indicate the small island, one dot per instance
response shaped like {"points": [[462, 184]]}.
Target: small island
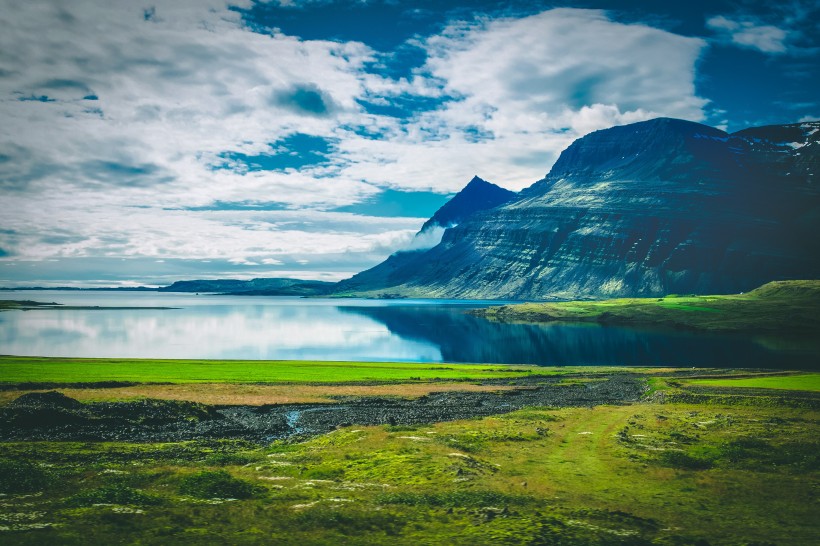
{"points": [[28, 305]]}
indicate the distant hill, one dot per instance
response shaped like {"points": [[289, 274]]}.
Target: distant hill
{"points": [[647, 209], [255, 287]]}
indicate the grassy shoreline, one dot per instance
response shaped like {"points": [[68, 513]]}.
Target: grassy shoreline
{"points": [[21, 369], [782, 307], [794, 382]]}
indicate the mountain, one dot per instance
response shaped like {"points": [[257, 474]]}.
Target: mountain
{"points": [[477, 195], [255, 287], [652, 208], [400, 267]]}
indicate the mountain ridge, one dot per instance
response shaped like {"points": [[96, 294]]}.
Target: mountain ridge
{"points": [[651, 208]]}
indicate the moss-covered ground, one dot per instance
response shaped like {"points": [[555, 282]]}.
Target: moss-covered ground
{"points": [[783, 307], [664, 471]]}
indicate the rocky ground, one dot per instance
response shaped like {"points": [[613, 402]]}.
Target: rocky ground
{"points": [[51, 415]]}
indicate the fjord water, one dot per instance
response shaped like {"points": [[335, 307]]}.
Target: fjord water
{"points": [[241, 327]]}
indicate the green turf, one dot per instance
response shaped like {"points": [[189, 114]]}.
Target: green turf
{"points": [[14, 369], [801, 382], [783, 307]]}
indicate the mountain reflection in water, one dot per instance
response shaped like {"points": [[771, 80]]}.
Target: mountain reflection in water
{"points": [[464, 338], [271, 328]]}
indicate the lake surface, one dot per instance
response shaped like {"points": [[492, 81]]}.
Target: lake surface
{"points": [[243, 327]]}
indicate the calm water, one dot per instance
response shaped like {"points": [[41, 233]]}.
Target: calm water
{"points": [[235, 327]]}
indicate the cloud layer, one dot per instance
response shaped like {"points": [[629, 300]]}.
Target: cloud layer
{"points": [[125, 127], [750, 34]]}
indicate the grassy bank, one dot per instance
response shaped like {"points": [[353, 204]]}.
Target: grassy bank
{"points": [[784, 307], [15, 369], [799, 382]]}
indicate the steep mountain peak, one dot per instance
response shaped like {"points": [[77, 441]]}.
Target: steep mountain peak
{"points": [[477, 195], [477, 181]]}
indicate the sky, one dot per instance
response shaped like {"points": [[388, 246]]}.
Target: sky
{"points": [[147, 142]]}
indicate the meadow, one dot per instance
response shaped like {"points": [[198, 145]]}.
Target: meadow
{"points": [[691, 463]]}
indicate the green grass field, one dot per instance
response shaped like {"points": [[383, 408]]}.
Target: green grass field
{"points": [[14, 369], [799, 382], [784, 307], [726, 470], [638, 475]]}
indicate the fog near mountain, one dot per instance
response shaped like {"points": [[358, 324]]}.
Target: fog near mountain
{"points": [[426, 238]]}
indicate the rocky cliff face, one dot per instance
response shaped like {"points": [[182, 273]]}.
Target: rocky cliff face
{"points": [[658, 207]]}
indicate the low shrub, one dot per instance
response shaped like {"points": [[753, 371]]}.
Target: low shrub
{"points": [[227, 459], [216, 484], [352, 522], [680, 459], [324, 472], [22, 477], [114, 494]]}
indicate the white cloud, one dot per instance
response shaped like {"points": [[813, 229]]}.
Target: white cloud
{"points": [[565, 58], [173, 93], [426, 239], [533, 84], [179, 86], [750, 34]]}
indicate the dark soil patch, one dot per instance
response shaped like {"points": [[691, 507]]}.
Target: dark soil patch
{"points": [[53, 416]]}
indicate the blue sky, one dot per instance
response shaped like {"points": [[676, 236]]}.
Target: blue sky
{"points": [[146, 142]]}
